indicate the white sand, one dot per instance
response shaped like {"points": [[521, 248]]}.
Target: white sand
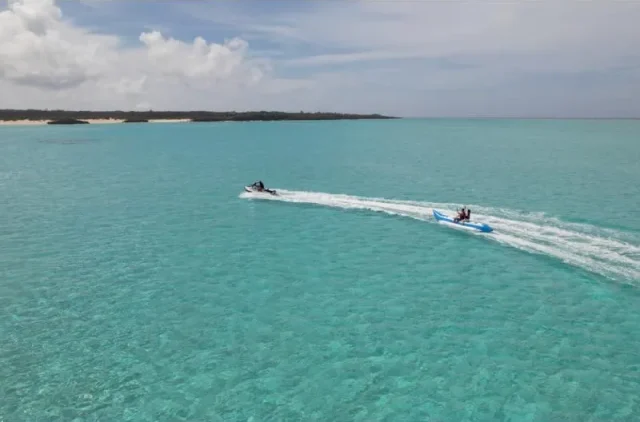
{"points": [[102, 121], [22, 122], [169, 120], [90, 121]]}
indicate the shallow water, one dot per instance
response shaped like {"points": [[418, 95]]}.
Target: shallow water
{"points": [[140, 283]]}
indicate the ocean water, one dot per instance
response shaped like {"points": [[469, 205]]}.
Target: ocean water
{"points": [[139, 283]]}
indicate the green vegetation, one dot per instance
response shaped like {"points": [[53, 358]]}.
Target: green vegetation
{"points": [[65, 116], [67, 122]]}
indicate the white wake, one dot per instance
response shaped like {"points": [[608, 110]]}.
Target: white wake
{"points": [[603, 251]]}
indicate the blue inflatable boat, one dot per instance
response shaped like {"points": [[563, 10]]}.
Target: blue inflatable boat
{"points": [[466, 224]]}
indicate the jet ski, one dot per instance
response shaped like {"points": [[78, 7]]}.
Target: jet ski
{"points": [[258, 187], [442, 218]]}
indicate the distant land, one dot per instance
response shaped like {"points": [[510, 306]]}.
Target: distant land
{"points": [[79, 117]]}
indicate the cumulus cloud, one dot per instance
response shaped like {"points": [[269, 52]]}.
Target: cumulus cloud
{"points": [[40, 49], [198, 60]]}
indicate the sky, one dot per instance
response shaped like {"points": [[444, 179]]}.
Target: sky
{"points": [[408, 58]]}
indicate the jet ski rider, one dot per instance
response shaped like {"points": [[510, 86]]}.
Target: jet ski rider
{"points": [[259, 185]]}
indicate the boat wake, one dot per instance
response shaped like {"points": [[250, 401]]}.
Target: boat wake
{"points": [[607, 252]]}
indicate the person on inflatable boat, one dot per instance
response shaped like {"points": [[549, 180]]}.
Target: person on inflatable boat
{"points": [[462, 216]]}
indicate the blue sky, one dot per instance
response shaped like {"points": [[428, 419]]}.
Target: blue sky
{"points": [[408, 58]]}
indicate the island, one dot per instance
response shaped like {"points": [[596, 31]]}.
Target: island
{"points": [[33, 116]]}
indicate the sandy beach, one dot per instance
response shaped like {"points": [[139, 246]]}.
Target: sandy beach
{"points": [[22, 122], [102, 121], [90, 121], [169, 120]]}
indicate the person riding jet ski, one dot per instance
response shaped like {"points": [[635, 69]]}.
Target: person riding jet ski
{"points": [[259, 186]]}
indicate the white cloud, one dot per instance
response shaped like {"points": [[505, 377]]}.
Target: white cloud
{"points": [[506, 37], [435, 29], [40, 50]]}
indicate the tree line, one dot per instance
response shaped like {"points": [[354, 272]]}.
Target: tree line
{"points": [[196, 116]]}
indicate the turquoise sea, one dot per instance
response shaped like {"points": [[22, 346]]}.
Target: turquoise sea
{"points": [[139, 283]]}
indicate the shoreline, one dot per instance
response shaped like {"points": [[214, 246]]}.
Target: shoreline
{"points": [[31, 117], [36, 122], [26, 122]]}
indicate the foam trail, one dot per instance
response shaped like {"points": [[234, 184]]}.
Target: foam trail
{"points": [[607, 252]]}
